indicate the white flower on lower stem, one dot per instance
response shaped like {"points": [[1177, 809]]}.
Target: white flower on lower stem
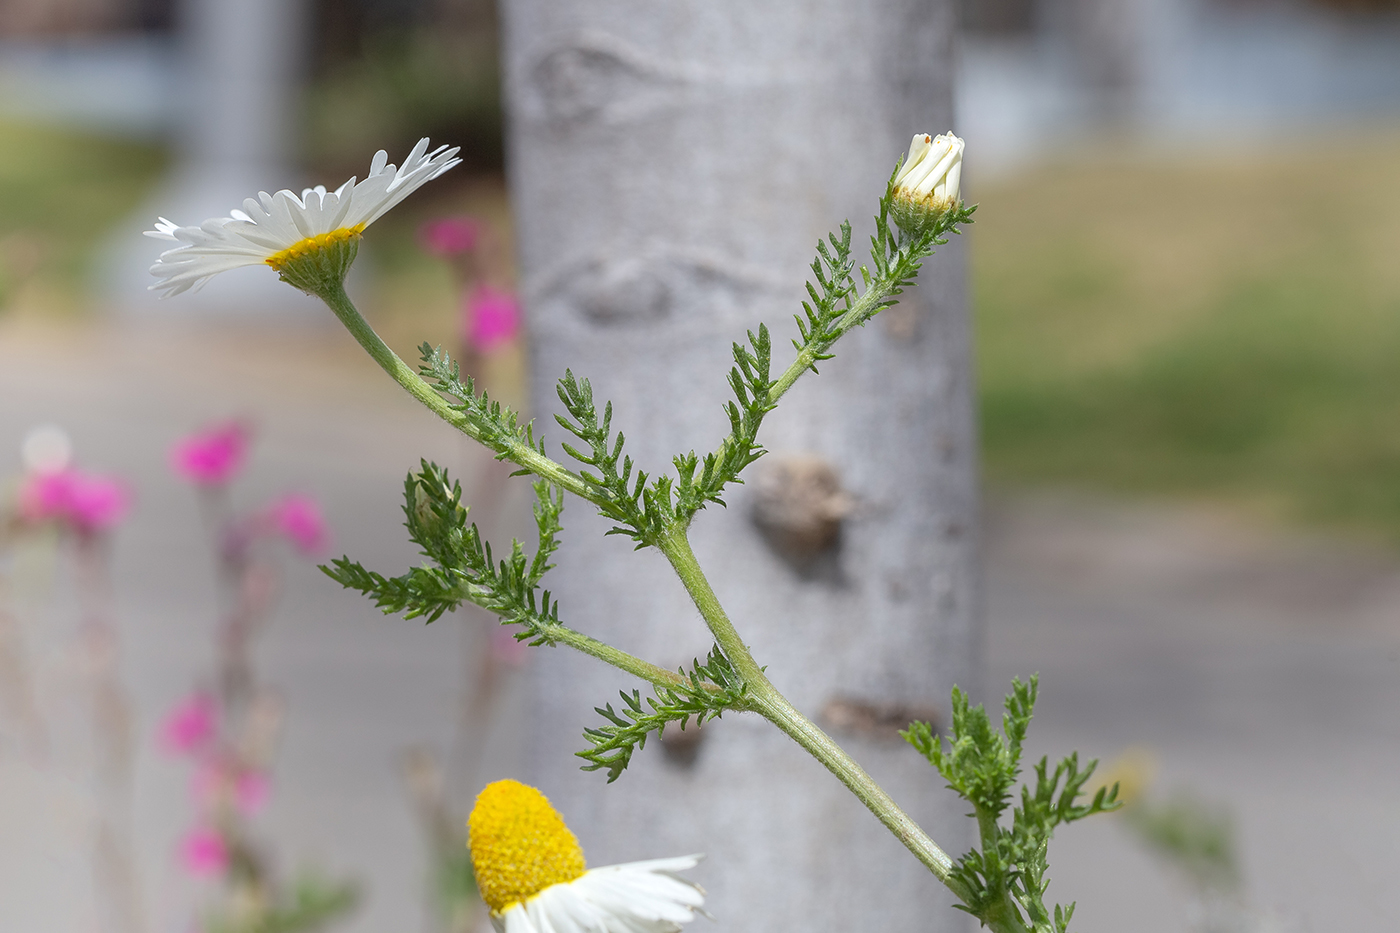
{"points": [[531, 873], [274, 229]]}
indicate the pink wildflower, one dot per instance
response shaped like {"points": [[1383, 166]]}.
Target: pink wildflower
{"points": [[216, 781], [449, 236], [97, 502], [490, 318], [203, 853], [213, 456], [88, 502], [44, 496], [506, 648], [299, 519], [251, 791], [191, 725]]}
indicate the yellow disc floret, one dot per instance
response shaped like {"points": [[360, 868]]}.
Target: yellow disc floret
{"points": [[312, 244], [520, 845]]}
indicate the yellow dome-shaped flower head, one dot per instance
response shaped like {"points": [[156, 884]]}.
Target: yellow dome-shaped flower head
{"points": [[520, 845], [531, 873]]}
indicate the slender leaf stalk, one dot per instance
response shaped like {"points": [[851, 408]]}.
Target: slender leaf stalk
{"points": [[518, 453]]}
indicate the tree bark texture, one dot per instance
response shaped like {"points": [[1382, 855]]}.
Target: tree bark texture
{"points": [[672, 166]]}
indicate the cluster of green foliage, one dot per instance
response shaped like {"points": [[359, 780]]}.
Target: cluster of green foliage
{"points": [[1194, 836], [1003, 882], [707, 691], [463, 568], [643, 507], [63, 191], [494, 425], [646, 511]]}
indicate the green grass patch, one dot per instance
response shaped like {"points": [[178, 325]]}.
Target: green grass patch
{"points": [[1228, 330], [62, 192]]}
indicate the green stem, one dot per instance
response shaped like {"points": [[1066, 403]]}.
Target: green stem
{"points": [[645, 670], [400, 372], [877, 292], [521, 454], [773, 706]]}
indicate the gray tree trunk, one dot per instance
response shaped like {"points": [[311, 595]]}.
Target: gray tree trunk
{"points": [[672, 167]]}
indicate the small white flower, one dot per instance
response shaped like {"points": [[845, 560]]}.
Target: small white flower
{"points": [[274, 229], [530, 871], [932, 170]]}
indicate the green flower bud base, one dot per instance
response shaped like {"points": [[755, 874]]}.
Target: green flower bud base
{"points": [[318, 265]]}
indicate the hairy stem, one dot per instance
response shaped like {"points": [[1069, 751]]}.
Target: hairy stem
{"points": [[773, 706], [637, 667], [518, 453], [877, 292]]}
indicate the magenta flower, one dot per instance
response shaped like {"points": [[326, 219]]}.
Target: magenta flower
{"points": [[191, 725], [87, 502], [251, 791], [490, 318], [97, 502], [218, 781], [44, 496], [299, 519], [203, 853], [506, 648], [449, 236], [213, 456]]}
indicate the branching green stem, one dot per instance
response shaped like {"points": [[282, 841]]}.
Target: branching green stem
{"points": [[877, 295], [859, 313], [637, 667], [768, 702], [518, 453], [732, 674]]}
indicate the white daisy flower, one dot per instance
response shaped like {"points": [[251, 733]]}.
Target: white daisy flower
{"points": [[933, 169], [276, 229], [530, 871], [926, 185]]}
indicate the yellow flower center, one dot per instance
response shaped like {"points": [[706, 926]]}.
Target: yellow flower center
{"points": [[312, 244], [520, 845]]}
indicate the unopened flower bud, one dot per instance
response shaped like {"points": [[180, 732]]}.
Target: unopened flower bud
{"points": [[926, 185]]}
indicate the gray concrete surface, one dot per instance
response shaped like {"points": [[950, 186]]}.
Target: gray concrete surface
{"points": [[1263, 670]]}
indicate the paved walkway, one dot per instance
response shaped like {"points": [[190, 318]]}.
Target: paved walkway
{"points": [[1264, 674]]}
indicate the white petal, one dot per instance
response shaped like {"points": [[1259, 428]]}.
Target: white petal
{"points": [[938, 172], [270, 223], [918, 148], [637, 897], [928, 165], [954, 179]]}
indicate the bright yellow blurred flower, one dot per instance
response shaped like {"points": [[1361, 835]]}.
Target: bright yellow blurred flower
{"points": [[1133, 771]]}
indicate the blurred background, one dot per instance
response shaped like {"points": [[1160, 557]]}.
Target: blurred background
{"points": [[1187, 307]]}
